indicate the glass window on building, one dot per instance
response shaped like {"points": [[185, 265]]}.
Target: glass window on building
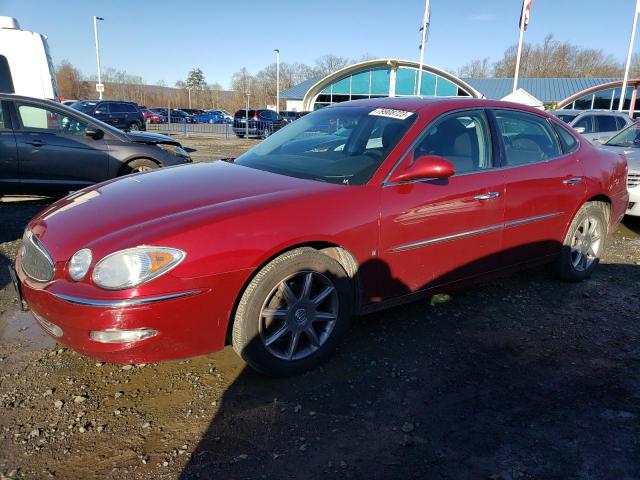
{"points": [[603, 99], [380, 79]]}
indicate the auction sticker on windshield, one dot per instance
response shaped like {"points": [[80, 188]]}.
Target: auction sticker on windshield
{"points": [[391, 113]]}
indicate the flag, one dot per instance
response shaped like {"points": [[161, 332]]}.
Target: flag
{"points": [[426, 19], [526, 10], [637, 7]]}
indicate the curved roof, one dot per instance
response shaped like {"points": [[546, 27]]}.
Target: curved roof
{"points": [[320, 84], [595, 88]]}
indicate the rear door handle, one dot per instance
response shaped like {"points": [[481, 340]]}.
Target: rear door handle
{"points": [[572, 180], [487, 196]]}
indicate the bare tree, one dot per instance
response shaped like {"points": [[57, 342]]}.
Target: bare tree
{"points": [[70, 82], [327, 64], [479, 68]]}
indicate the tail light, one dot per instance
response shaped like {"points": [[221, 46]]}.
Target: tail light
{"points": [[255, 117]]}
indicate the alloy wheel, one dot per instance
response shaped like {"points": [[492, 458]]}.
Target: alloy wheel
{"points": [[298, 315], [586, 243]]}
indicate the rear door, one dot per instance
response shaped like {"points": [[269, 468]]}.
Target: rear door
{"points": [[544, 186], [54, 154], [118, 114], [9, 172]]}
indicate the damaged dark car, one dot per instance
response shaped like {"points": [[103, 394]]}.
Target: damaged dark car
{"points": [[49, 149]]}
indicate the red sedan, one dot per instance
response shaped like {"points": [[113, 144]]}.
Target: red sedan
{"points": [[353, 208], [150, 117]]}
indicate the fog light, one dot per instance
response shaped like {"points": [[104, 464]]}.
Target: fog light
{"points": [[122, 336], [53, 329]]}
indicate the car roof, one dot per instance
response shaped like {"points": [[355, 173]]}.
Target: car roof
{"points": [[421, 104]]}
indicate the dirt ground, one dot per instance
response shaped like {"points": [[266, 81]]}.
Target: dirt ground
{"points": [[521, 378]]}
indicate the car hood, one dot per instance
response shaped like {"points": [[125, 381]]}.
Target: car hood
{"points": [[146, 207], [631, 154], [152, 138]]}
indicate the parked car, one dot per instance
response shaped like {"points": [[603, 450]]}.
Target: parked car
{"points": [[47, 148], [212, 116], [598, 126], [262, 123], [150, 117], [290, 116], [565, 114], [627, 143], [280, 249], [123, 115], [177, 116], [191, 111]]}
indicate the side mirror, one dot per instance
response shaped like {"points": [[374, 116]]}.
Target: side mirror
{"points": [[94, 133], [425, 167], [580, 130]]}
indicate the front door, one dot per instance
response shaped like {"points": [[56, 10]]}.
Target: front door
{"points": [[437, 231], [54, 154]]}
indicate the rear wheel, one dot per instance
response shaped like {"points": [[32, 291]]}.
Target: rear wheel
{"points": [[293, 314], [139, 165], [584, 243], [239, 135], [133, 127]]}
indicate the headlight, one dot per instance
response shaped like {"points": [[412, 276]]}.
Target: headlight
{"points": [[173, 149], [79, 264], [134, 266]]}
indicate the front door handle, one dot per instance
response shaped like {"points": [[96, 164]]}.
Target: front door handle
{"points": [[572, 180], [487, 196]]}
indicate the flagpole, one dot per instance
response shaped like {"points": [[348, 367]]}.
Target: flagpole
{"points": [[424, 39], [517, 73], [626, 69]]}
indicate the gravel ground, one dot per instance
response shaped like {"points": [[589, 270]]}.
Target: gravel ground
{"points": [[520, 378]]}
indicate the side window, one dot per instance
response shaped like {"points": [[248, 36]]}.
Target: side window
{"points": [[620, 123], [586, 123], [606, 123], [462, 138], [130, 108], [3, 125], [527, 138], [569, 142], [102, 108], [6, 81], [45, 120], [118, 107]]}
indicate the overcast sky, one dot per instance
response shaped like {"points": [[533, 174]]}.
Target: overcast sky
{"points": [[163, 40]]}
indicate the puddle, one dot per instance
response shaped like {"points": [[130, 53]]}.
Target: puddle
{"points": [[22, 329]]}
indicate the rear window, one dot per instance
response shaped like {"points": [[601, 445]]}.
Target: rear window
{"points": [[243, 113], [6, 81]]}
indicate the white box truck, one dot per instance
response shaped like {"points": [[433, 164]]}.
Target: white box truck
{"points": [[26, 67]]}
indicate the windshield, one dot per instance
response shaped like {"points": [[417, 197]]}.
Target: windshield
{"points": [[344, 145], [84, 107], [629, 137]]}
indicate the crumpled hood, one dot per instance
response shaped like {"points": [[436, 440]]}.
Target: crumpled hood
{"points": [[144, 206], [148, 137], [631, 154]]}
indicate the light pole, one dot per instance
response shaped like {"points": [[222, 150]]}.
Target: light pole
{"points": [[99, 86], [189, 90], [277, 50]]}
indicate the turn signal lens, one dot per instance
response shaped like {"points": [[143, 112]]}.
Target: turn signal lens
{"points": [[135, 266], [79, 264]]}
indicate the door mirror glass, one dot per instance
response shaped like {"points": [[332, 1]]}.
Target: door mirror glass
{"points": [[94, 133], [425, 167]]}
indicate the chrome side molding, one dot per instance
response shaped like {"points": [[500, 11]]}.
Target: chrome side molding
{"points": [[131, 302]]}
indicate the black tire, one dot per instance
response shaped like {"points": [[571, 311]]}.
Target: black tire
{"points": [[249, 326], [564, 266], [239, 135], [138, 165], [265, 132], [133, 127]]}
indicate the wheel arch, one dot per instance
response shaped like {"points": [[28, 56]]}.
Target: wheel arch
{"points": [[133, 159], [338, 253]]}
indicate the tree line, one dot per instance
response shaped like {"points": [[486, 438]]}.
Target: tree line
{"points": [[551, 58]]}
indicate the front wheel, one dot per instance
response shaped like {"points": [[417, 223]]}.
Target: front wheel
{"points": [[139, 165], [584, 243], [293, 314]]}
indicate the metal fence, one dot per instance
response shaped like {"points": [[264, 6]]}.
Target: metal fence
{"points": [[254, 128]]}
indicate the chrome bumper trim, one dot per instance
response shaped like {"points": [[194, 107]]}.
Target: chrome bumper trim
{"points": [[131, 302]]}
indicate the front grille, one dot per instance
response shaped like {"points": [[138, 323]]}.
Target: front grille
{"points": [[36, 261], [633, 180]]}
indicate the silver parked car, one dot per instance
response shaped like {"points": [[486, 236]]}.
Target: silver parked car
{"points": [[627, 142], [598, 126]]}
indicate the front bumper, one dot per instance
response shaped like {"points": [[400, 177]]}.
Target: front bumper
{"points": [[634, 202], [188, 323]]}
